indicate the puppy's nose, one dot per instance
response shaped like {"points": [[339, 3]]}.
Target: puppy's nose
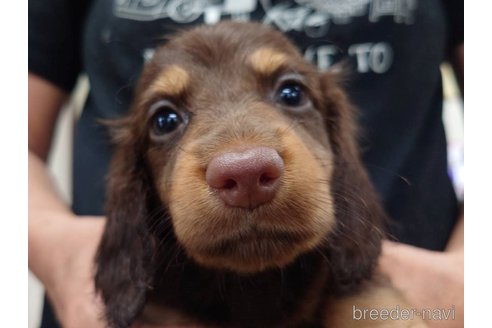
{"points": [[246, 178]]}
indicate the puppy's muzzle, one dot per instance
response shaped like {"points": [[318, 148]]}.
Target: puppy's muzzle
{"points": [[246, 178]]}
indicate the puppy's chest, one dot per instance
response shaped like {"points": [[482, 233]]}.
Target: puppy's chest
{"points": [[281, 298]]}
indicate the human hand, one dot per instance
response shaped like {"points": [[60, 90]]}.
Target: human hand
{"points": [[70, 286], [428, 279]]}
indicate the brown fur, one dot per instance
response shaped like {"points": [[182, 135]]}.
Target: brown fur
{"points": [[171, 249]]}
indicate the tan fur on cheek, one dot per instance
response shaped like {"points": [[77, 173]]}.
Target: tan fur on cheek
{"points": [[265, 61], [307, 177], [172, 81]]}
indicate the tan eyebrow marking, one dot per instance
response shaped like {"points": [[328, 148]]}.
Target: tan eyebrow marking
{"points": [[266, 61], [172, 81]]}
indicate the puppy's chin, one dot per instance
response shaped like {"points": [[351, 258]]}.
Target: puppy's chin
{"points": [[250, 241], [253, 251]]}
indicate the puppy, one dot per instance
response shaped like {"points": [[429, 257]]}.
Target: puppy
{"points": [[236, 194]]}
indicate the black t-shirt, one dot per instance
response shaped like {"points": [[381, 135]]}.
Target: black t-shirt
{"points": [[394, 49]]}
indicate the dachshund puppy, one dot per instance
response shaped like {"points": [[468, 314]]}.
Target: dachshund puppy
{"points": [[236, 194]]}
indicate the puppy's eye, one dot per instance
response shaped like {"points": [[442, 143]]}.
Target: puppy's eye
{"points": [[165, 120], [291, 94]]}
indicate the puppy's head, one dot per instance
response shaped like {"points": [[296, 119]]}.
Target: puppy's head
{"points": [[247, 152]]}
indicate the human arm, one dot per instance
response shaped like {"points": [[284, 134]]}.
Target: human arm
{"points": [[61, 248], [429, 279]]}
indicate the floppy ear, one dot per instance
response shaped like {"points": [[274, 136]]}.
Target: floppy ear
{"points": [[123, 260], [355, 243]]}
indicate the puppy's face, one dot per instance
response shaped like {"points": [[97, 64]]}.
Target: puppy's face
{"points": [[233, 135]]}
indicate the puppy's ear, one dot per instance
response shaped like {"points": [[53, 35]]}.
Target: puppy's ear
{"points": [[123, 259], [355, 242]]}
